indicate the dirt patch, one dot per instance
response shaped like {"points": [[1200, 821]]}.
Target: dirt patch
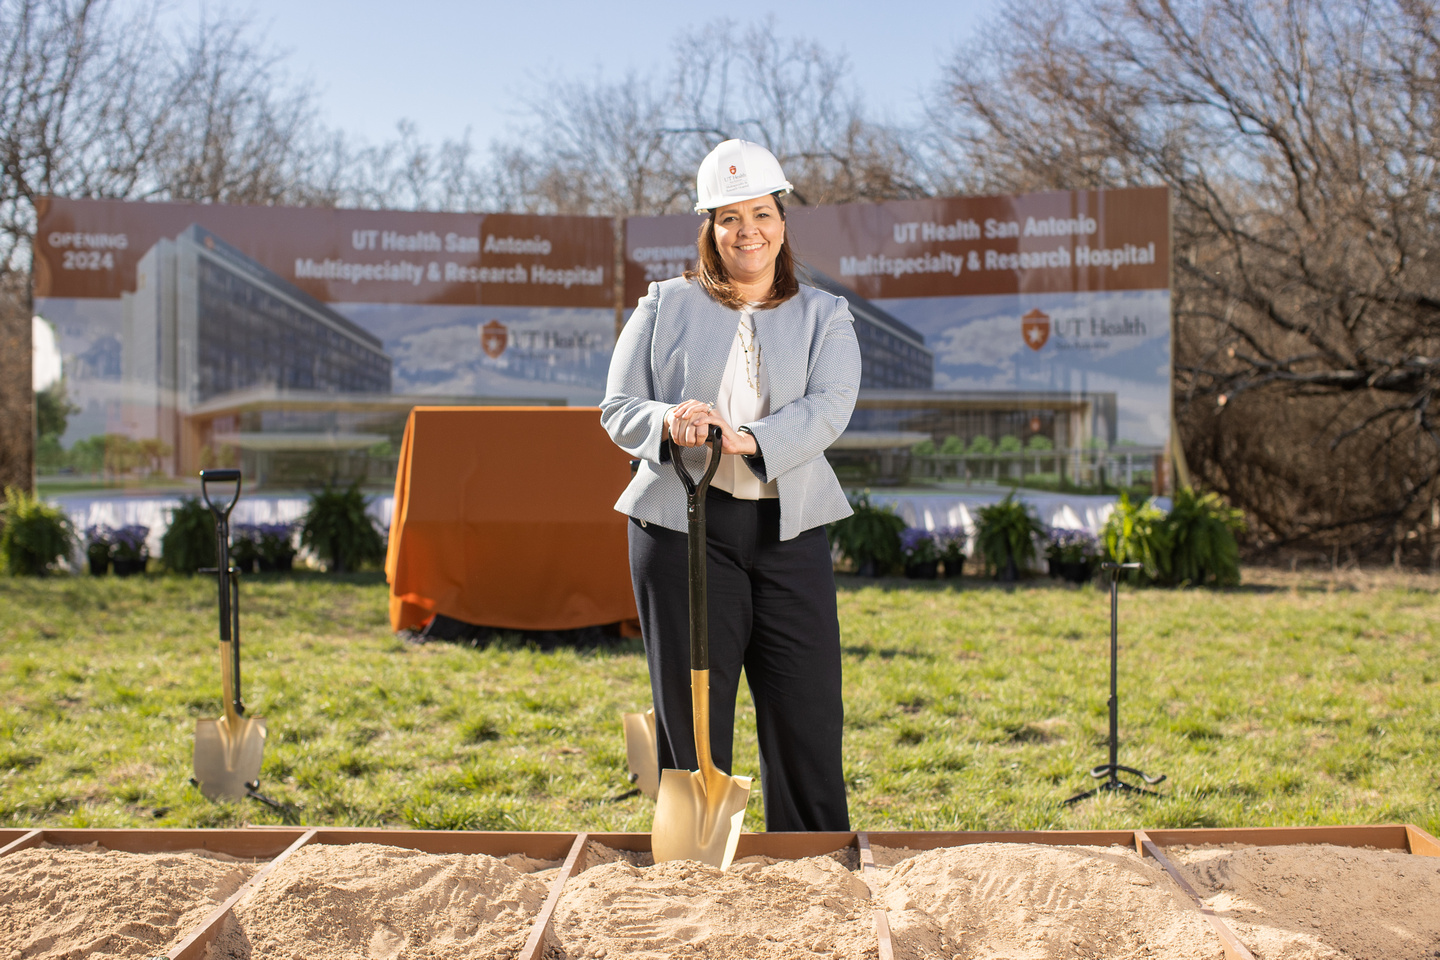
{"points": [[60, 902], [886, 857], [1034, 902], [366, 900], [1316, 901], [759, 908], [1347, 579], [597, 854]]}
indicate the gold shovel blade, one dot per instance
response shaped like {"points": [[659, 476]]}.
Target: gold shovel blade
{"points": [[228, 753], [640, 752], [699, 820]]}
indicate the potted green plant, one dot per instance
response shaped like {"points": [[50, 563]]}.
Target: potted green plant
{"points": [[130, 553], [1005, 532], [245, 546], [919, 553], [950, 541], [338, 529], [1201, 530], [1072, 554], [35, 535], [277, 547], [98, 548], [1136, 532], [869, 537], [188, 543]]}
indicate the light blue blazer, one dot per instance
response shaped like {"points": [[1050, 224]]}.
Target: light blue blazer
{"points": [[674, 348]]}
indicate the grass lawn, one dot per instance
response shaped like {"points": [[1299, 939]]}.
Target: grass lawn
{"points": [[1295, 700]]}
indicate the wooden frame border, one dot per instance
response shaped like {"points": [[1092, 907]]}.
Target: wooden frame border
{"points": [[193, 945], [1229, 941], [882, 917], [543, 931], [275, 844], [1150, 843], [26, 838]]}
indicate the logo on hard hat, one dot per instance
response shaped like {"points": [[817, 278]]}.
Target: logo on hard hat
{"points": [[494, 338], [1035, 328]]}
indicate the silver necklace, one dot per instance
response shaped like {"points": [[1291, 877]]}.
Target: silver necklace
{"points": [[752, 350]]}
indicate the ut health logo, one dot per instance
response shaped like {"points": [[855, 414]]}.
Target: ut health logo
{"points": [[1035, 328], [494, 338]]}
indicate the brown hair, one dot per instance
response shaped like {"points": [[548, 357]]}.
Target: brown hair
{"points": [[709, 269]]}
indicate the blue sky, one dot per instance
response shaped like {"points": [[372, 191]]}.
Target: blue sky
{"points": [[450, 66]]}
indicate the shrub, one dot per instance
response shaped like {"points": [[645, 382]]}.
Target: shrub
{"points": [[1201, 532], [99, 547], [189, 542], [1040, 443], [982, 445], [950, 541], [925, 448], [35, 535], [128, 544], [244, 546], [338, 529], [1135, 532], [1064, 545], [953, 446], [1009, 444], [917, 545], [277, 546], [871, 535], [1005, 533]]}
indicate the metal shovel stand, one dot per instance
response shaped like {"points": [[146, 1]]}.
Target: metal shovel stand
{"points": [[1113, 769]]}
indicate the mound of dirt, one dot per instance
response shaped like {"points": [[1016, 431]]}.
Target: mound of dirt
{"points": [[759, 908], [61, 902], [886, 857], [343, 901], [1316, 901], [1034, 902]]}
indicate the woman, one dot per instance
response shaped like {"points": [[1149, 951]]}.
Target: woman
{"points": [[738, 343]]}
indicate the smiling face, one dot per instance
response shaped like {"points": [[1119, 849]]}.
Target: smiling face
{"points": [[748, 236]]}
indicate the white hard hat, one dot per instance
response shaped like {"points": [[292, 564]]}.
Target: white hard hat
{"points": [[738, 170]]}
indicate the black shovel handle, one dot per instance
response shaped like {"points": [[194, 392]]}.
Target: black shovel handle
{"points": [[227, 475], [229, 580], [695, 513]]}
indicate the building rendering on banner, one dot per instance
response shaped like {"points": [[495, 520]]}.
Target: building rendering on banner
{"points": [[892, 355], [898, 406], [206, 321]]}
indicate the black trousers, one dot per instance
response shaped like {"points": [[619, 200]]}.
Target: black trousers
{"points": [[771, 612]]}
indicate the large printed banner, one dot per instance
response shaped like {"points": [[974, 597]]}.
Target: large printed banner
{"points": [[277, 332], [178, 318], [1051, 295]]}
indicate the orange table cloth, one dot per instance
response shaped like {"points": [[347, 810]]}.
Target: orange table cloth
{"points": [[505, 517]]}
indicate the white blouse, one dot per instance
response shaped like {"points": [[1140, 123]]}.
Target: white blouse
{"points": [[744, 398]]}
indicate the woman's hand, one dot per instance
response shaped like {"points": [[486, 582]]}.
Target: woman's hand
{"points": [[688, 424]]}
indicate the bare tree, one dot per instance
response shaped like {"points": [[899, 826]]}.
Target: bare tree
{"points": [[792, 96], [97, 101], [73, 111], [593, 147], [1299, 142], [236, 130], [405, 172], [632, 146]]}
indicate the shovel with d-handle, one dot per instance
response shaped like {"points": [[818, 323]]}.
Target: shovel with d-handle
{"points": [[698, 814], [640, 753], [228, 751]]}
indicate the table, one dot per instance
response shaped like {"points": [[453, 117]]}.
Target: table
{"points": [[504, 517]]}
